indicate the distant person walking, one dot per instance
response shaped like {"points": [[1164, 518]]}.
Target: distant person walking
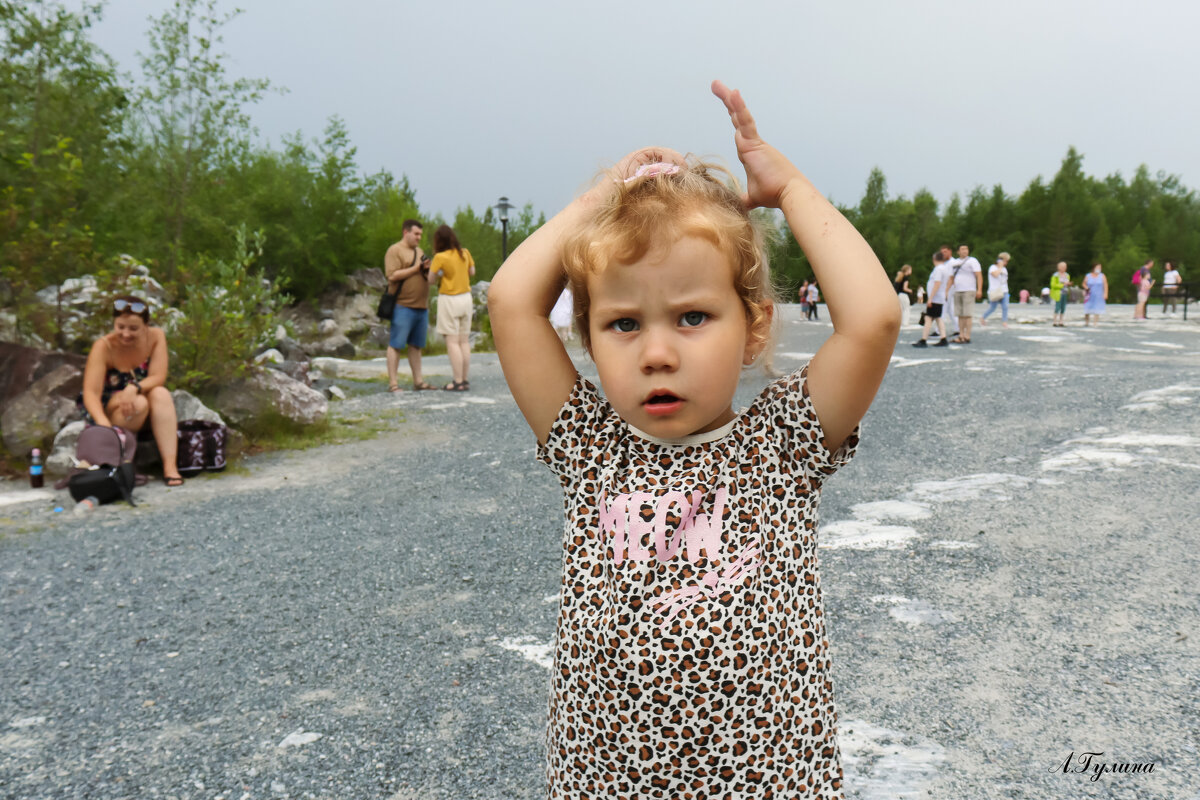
{"points": [[1096, 284], [454, 265], [903, 292], [407, 267], [1143, 295], [998, 290], [814, 295], [966, 285], [1170, 287], [948, 315], [1059, 282], [562, 316], [938, 279], [803, 294]]}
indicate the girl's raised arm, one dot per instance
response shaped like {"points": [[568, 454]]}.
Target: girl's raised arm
{"points": [[539, 372], [535, 363], [846, 372]]}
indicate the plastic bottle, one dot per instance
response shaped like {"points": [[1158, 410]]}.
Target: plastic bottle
{"points": [[85, 505], [36, 479]]}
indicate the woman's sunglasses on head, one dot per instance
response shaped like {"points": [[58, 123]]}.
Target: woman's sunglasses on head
{"points": [[125, 305]]}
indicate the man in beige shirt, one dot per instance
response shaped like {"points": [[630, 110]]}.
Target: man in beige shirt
{"points": [[407, 267]]}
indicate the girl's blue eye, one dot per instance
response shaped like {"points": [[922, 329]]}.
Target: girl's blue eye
{"points": [[624, 325], [692, 318]]}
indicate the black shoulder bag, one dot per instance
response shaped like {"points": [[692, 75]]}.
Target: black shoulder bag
{"points": [[387, 303]]}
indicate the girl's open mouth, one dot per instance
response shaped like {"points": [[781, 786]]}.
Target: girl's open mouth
{"points": [[661, 403]]}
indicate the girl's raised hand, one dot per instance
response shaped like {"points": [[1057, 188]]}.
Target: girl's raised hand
{"points": [[768, 172]]}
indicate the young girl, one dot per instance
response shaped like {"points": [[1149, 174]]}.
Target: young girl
{"points": [[691, 658], [1059, 282]]}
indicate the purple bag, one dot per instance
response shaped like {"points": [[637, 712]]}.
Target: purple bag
{"points": [[201, 446], [104, 468]]}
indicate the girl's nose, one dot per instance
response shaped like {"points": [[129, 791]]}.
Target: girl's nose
{"points": [[658, 352]]}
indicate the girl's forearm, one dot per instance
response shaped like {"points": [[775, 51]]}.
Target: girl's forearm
{"points": [[531, 279], [858, 294]]}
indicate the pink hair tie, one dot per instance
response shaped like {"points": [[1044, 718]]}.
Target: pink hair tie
{"points": [[653, 170]]}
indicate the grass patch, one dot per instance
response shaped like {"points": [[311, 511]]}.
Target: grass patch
{"points": [[273, 431]]}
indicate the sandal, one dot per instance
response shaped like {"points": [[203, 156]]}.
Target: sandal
{"points": [[393, 388], [173, 481], [423, 386], [454, 386]]}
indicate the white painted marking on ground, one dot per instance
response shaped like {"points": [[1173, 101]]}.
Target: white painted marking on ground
{"points": [[25, 496], [953, 544], [914, 612], [298, 738], [890, 509], [1104, 453], [856, 534], [480, 400], [900, 361], [1168, 345], [444, 406], [981, 486], [540, 653], [1047, 339], [1086, 459], [1156, 399], [994, 352], [1145, 440], [885, 764], [26, 722], [797, 356], [1130, 350]]}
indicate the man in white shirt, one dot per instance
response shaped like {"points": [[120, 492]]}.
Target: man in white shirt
{"points": [[938, 280], [948, 315], [966, 288], [1170, 287]]}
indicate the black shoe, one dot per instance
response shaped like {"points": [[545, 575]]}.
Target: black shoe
{"points": [[943, 343], [921, 343]]}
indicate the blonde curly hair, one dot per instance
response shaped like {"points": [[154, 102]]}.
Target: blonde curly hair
{"points": [[700, 200]]}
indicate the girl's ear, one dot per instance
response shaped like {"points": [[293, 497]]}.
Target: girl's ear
{"points": [[758, 334]]}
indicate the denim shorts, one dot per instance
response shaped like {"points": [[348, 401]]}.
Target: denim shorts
{"points": [[409, 326]]}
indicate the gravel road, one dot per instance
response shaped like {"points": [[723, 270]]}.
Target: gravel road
{"points": [[1009, 565]]}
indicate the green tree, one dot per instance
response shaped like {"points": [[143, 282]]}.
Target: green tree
{"points": [[192, 119], [60, 107]]}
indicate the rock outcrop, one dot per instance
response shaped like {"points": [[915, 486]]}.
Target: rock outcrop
{"points": [[37, 395], [264, 392]]}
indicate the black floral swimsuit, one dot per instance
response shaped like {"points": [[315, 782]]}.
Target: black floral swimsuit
{"points": [[114, 381]]}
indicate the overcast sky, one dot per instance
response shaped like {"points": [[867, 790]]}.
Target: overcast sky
{"points": [[473, 100]]}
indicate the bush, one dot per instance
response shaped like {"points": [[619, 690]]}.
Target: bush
{"points": [[227, 311]]}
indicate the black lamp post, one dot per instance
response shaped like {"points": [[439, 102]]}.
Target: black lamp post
{"points": [[503, 207]]}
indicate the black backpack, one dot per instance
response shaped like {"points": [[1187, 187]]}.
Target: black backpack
{"points": [[104, 469]]}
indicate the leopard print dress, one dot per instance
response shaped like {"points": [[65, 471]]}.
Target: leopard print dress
{"points": [[691, 660]]}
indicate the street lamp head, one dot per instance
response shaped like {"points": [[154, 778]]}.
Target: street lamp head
{"points": [[503, 207]]}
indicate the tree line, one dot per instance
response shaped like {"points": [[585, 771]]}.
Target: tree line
{"points": [[1073, 217], [167, 168]]}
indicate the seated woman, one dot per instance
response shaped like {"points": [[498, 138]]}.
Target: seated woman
{"points": [[124, 381]]}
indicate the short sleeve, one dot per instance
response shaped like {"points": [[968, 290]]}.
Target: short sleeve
{"points": [[788, 409], [586, 426]]}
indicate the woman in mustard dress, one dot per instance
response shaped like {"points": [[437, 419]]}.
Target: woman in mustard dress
{"points": [[454, 265]]}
